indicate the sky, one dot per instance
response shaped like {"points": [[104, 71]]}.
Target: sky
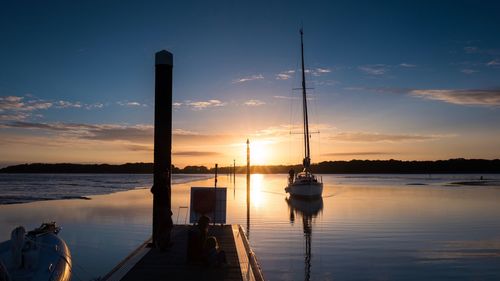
{"points": [[409, 80]]}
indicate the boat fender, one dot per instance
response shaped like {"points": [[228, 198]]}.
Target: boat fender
{"points": [[4, 275], [17, 243]]}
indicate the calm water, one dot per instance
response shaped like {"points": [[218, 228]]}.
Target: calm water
{"points": [[388, 227]]}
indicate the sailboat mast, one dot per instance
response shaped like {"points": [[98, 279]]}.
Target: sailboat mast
{"points": [[307, 158]]}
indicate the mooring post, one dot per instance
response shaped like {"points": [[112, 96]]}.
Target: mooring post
{"points": [[215, 196], [248, 189], [162, 213]]}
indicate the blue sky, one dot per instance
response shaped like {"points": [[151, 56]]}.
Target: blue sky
{"points": [[392, 79]]}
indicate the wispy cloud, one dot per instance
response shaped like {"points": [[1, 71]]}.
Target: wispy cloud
{"points": [[461, 97], [285, 75], [477, 97], [284, 97], [381, 90], [13, 116], [379, 137], [468, 71], [138, 147], [182, 132], [67, 104], [248, 78], [361, 153], [407, 65], [196, 153], [132, 104], [309, 97], [15, 103], [320, 71], [200, 105], [91, 131], [495, 62], [254, 103], [375, 69]]}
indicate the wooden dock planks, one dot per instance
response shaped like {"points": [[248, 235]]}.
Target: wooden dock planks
{"points": [[152, 264]]}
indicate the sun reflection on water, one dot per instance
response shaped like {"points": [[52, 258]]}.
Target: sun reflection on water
{"points": [[257, 196]]}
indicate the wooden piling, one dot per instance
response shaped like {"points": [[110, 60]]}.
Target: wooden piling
{"points": [[162, 213]]}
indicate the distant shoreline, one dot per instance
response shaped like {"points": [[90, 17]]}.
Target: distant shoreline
{"points": [[452, 166]]}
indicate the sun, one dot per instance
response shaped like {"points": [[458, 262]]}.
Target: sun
{"points": [[259, 153]]}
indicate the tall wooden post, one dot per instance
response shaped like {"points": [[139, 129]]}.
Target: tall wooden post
{"points": [[162, 213], [248, 189]]}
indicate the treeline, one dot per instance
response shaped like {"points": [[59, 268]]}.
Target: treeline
{"points": [[68, 168], [458, 166], [327, 167]]}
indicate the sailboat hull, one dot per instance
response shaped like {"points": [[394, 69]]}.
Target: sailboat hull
{"points": [[310, 190]]}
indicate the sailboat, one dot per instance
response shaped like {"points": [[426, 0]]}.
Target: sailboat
{"points": [[304, 184]]}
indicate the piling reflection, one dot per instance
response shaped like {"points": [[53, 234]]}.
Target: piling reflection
{"points": [[307, 209]]}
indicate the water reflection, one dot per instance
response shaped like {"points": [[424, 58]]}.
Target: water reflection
{"points": [[307, 209], [375, 227], [256, 191]]}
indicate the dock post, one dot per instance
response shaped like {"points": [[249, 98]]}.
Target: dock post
{"points": [[162, 213], [248, 188]]}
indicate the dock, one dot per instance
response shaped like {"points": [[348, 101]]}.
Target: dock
{"points": [[151, 264]]}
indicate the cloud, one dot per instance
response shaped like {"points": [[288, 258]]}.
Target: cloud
{"points": [[285, 97], [11, 107], [495, 62], [407, 65], [139, 147], [285, 75], [18, 116], [381, 90], [309, 97], [182, 132], [15, 103], [481, 97], [248, 78], [376, 69], [468, 71], [196, 153], [377, 137], [254, 103], [132, 104], [67, 104], [320, 71], [141, 134], [363, 153], [91, 132], [461, 97], [94, 105], [200, 105]]}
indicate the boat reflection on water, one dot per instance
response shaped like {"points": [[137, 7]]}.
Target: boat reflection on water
{"points": [[307, 209]]}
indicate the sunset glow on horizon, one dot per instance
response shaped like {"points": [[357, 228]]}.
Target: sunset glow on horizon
{"points": [[81, 89]]}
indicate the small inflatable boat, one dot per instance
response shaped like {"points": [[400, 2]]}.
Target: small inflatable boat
{"points": [[39, 254]]}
